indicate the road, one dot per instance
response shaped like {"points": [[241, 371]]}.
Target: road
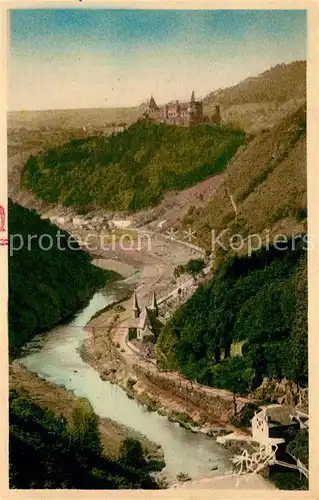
{"points": [[119, 332]]}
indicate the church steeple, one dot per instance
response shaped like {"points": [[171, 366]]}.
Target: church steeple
{"points": [[193, 96], [135, 308], [154, 306]]}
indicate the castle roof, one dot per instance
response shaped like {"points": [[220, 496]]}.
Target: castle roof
{"points": [[152, 104], [144, 319]]}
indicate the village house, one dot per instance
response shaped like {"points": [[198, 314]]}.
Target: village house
{"points": [[272, 428], [120, 223], [144, 323]]}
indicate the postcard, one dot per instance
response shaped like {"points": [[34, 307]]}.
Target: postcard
{"points": [[158, 325]]}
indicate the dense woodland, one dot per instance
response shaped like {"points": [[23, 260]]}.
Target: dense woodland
{"points": [[45, 286], [46, 451], [260, 301], [133, 169]]}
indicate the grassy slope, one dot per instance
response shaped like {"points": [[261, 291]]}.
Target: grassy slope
{"points": [[267, 180], [264, 100], [280, 83], [132, 169]]}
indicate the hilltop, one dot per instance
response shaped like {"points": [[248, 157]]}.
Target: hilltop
{"points": [[130, 170], [256, 104], [262, 101]]}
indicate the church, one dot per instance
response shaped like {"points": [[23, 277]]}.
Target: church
{"points": [[144, 324]]}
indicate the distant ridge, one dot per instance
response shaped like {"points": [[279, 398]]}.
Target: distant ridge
{"points": [[258, 101], [263, 100]]}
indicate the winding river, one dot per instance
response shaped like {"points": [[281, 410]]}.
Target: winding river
{"points": [[55, 357]]}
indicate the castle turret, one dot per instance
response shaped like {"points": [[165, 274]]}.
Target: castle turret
{"points": [[152, 106], [135, 308], [154, 307]]}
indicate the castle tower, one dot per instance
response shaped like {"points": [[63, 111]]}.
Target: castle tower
{"points": [[152, 106], [216, 115], [166, 112], [191, 110], [154, 307], [135, 308]]}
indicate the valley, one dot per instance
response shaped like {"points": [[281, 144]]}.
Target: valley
{"points": [[168, 188]]}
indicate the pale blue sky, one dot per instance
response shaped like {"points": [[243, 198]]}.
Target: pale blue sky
{"points": [[77, 58]]}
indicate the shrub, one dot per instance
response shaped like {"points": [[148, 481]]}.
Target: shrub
{"points": [[131, 453]]}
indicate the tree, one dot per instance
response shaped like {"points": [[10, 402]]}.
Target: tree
{"points": [[131, 453], [195, 266], [83, 426]]}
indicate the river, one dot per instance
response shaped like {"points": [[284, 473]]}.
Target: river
{"points": [[55, 357]]}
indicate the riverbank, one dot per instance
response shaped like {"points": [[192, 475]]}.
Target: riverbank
{"points": [[167, 404], [106, 349], [62, 402], [227, 482], [195, 408]]}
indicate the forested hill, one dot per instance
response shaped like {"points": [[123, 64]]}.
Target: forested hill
{"points": [[132, 169], [45, 286], [260, 301]]}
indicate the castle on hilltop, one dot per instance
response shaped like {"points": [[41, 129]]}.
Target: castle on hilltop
{"points": [[185, 114]]}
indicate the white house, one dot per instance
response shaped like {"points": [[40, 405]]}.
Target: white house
{"points": [[269, 425], [60, 220], [121, 223]]}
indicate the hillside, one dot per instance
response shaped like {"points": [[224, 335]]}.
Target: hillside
{"points": [[45, 286], [259, 301], [262, 101], [132, 169], [266, 183], [46, 451]]}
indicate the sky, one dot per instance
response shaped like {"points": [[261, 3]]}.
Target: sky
{"points": [[83, 58]]}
